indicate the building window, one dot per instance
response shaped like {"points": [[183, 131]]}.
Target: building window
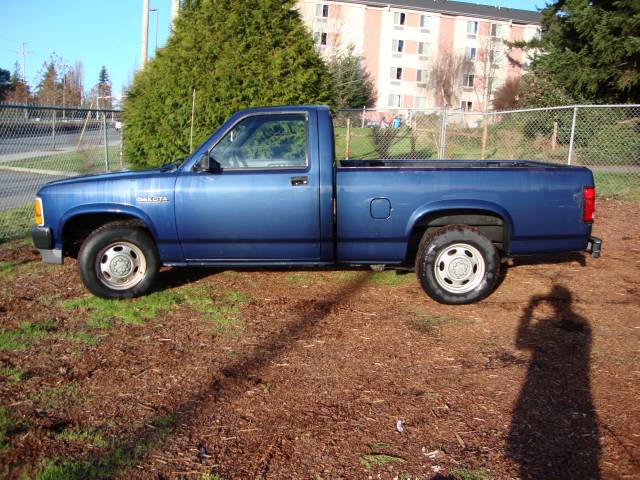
{"points": [[422, 76], [467, 80], [421, 103], [394, 101], [425, 22], [496, 30], [396, 73], [399, 18], [495, 56], [470, 53], [472, 29], [466, 105], [320, 38], [397, 46], [423, 49], [322, 10]]}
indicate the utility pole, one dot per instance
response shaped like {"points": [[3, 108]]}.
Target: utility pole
{"points": [[145, 33], [24, 52], [175, 8]]}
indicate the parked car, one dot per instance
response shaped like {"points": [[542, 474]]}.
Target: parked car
{"points": [[265, 190]]}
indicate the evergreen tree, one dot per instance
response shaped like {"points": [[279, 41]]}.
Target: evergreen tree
{"points": [[5, 82], [591, 49], [352, 87], [103, 90], [19, 91], [235, 54]]}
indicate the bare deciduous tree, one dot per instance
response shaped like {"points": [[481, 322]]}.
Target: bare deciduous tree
{"points": [[446, 73]]}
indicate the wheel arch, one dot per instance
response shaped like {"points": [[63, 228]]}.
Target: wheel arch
{"points": [[490, 219], [76, 224]]}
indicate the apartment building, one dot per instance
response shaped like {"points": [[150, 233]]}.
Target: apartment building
{"points": [[423, 54]]}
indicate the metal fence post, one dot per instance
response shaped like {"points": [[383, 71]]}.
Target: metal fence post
{"points": [[573, 134], [443, 134], [364, 112], [104, 138]]}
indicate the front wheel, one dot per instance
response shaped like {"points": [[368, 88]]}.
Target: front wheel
{"points": [[118, 260], [457, 265]]}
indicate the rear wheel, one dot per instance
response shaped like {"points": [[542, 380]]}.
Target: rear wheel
{"points": [[118, 260], [457, 265]]}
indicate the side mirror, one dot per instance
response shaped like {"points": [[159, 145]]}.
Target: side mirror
{"points": [[207, 164]]}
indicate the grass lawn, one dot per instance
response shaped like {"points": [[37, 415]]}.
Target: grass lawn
{"points": [[622, 186], [15, 223]]}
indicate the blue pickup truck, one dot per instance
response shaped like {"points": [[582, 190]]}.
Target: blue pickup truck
{"points": [[266, 190]]}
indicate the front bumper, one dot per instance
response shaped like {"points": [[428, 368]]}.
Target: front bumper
{"points": [[43, 240], [594, 246]]}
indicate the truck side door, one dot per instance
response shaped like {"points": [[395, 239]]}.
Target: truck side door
{"points": [[261, 204]]}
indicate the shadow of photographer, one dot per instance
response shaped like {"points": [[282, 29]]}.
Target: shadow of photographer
{"points": [[554, 428]]}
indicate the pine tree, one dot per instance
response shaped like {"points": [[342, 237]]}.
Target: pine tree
{"points": [[234, 54], [591, 49], [103, 89], [352, 87]]}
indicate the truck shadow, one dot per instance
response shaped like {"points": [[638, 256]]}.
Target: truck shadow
{"points": [[550, 259], [222, 387], [554, 428]]}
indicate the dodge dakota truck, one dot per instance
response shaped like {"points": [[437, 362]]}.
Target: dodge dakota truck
{"points": [[265, 190]]}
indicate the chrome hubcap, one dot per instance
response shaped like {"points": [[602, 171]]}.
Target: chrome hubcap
{"points": [[459, 268], [121, 265]]}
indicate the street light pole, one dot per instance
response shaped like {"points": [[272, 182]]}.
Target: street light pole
{"points": [[145, 33], [156, 45]]}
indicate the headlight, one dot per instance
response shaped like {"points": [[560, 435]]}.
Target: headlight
{"points": [[37, 210]]}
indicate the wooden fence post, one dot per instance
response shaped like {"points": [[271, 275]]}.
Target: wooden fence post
{"points": [[348, 139]]}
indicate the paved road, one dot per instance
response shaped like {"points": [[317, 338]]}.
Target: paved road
{"points": [[16, 148]]}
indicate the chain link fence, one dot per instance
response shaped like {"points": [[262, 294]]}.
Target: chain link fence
{"points": [[40, 144], [605, 138]]}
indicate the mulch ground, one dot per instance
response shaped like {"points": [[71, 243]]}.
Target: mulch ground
{"points": [[334, 374]]}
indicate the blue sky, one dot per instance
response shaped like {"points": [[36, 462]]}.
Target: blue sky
{"points": [[97, 33]]}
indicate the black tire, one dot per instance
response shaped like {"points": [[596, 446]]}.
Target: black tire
{"points": [[119, 247], [457, 265]]}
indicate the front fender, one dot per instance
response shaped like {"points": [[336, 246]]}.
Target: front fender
{"points": [[97, 208], [481, 206]]}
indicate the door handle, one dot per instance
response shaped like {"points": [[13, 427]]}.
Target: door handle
{"points": [[297, 181]]}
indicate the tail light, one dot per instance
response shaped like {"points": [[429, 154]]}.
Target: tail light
{"points": [[588, 203]]}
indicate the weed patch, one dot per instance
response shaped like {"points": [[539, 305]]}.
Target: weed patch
{"points": [[301, 277], [92, 437], [7, 270], [5, 426], [222, 310], [132, 312], [391, 277], [53, 398], [468, 474], [378, 459], [27, 334], [12, 375]]}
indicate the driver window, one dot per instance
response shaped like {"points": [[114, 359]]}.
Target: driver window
{"points": [[264, 141]]}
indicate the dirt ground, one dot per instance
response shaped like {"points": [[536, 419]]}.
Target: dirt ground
{"points": [[326, 374]]}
